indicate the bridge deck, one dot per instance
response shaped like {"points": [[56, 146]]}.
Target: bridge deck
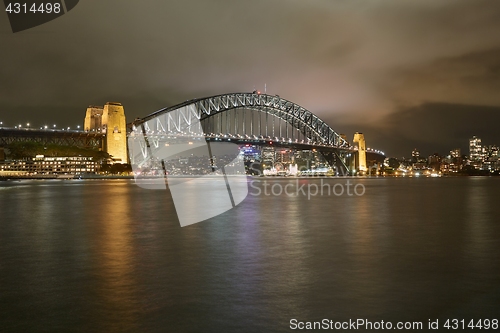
{"points": [[49, 136]]}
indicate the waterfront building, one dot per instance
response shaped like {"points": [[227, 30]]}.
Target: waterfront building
{"points": [[44, 165], [491, 158], [455, 161], [434, 161]]}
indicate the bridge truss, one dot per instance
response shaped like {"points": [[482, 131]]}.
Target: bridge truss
{"points": [[57, 137], [204, 111], [240, 118]]}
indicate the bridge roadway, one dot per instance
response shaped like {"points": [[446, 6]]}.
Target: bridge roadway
{"points": [[281, 142], [95, 140], [331, 154], [50, 136], [343, 160], [86, 139]]}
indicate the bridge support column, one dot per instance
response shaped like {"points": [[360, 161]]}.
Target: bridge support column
{"points": [[116, 132], [109, 120], [359, 138]]}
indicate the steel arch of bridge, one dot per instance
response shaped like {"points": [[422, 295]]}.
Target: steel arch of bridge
{"points": [[310, 125]]}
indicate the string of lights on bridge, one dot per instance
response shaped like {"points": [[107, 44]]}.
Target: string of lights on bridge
{"points": [[54, 127], [211, 135]]}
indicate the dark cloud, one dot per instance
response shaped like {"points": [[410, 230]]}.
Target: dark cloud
{"points": [[354, 63], [431, 128], [472, 78]]}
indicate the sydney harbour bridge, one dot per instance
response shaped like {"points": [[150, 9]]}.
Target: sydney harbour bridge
{"points": [[265, 122], [266, 125]]}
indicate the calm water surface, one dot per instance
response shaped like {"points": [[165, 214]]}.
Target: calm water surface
{"points": [[108, 256]]}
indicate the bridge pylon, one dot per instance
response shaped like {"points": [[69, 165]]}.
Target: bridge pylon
{"points": [[109, 120], [359, 138]]}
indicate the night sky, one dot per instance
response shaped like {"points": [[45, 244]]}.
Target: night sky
{"points": [[409, 74]]}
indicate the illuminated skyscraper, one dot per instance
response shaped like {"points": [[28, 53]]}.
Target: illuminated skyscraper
{"points": [[415, 155], [490, 157], [476, 152], [475, 149], [455, 161]]}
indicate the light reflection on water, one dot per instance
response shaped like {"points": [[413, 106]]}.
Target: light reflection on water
{"points": [[110, 256], [113, 254]]}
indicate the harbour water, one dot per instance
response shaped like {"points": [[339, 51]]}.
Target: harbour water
{"points": [[109, 256]]}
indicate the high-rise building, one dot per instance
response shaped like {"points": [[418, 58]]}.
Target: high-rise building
{"points": [[455, 160], [476, 154], [492, 151], [490, 158], [434, 161], [415, 155], [455, 153], [475, 149], [268, 157]]}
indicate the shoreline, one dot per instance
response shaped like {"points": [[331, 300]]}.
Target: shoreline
{"points": [[110, 177], [50, 177]]}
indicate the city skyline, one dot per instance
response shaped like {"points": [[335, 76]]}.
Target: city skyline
{"points": [[407, 75]]}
